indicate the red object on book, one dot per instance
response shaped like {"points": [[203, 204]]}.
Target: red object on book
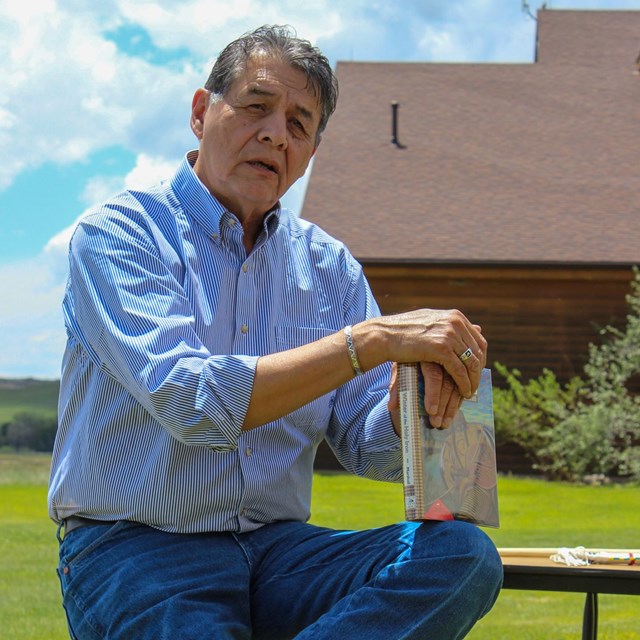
{"points": [[438, 511]]}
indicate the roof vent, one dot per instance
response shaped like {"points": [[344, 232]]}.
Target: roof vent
{"points": [[394, 126]]}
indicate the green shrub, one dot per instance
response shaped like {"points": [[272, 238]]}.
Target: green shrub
{"points": [[579, 445], [591, 425], [29, 430], [527, 413], [613, 372]]}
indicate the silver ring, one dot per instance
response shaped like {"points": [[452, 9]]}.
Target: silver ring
{"points": [[466, 354]]}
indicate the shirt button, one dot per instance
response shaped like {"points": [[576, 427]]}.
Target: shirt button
{"points": [[244, 328], [245, 267], [215, 236], [248, 452], [232, 222]]}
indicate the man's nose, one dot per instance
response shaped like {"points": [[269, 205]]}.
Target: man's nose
{"points": [[274, 130]]}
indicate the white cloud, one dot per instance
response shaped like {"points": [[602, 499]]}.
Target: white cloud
{"points": [[99, 188], [206, 27], [438, 45], [148, 171], [31, 330], [68, 91]]}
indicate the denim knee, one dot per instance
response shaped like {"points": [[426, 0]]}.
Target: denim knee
{"points": [[471, 556], [487, 563]]}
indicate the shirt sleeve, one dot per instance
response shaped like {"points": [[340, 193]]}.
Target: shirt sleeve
{"points": [[360, 432], [130, 312]]}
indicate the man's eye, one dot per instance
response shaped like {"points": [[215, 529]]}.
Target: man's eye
{"points": [[298, 125]]}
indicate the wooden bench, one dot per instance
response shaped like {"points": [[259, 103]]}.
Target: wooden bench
{"points": [[532, 572]]}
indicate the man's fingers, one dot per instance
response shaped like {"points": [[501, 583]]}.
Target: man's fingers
{"points": [[394, 402], [473, 356], [463, 376], [442, 398], [439, 388], [482, 345], [455, 400], [473, 362], [433, 375]]}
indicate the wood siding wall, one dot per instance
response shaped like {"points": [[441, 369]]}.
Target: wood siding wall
{"points": [[532, 317]]}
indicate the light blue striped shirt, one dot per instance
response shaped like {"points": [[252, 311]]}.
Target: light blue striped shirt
{"points": [[166, 318]]}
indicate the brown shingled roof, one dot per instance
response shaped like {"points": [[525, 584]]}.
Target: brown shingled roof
{"points": [[533, 163]]}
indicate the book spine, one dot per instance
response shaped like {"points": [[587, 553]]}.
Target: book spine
{"points": [[410, 420]]}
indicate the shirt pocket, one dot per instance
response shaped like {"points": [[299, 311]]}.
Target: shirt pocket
{"points": [[312, 418]]}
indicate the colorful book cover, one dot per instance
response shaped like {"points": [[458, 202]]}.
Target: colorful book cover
{"points": [[449, 474]]}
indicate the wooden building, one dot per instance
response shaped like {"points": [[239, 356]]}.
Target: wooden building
{"points": [[510, 191]]}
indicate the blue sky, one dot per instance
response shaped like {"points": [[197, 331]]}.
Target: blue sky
{"points": [[96, 97]]}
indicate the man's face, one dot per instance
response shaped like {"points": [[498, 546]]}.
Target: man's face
{"points": [[256, 141]]}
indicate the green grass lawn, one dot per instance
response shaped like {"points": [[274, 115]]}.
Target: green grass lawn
{"points": [[533, 513]]}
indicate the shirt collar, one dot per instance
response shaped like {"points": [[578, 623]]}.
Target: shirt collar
{"points": [[197, 200]]}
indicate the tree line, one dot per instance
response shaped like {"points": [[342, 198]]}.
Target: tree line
{"points": [[29, 430]]}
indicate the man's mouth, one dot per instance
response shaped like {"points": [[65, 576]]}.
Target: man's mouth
{"points": [[264, 165]]}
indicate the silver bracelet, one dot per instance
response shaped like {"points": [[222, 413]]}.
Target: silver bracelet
{"points": [[352, 351]]}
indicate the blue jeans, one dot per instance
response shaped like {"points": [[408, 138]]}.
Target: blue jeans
{"points": [[127, 581]]}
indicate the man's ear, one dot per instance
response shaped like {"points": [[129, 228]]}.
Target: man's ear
{"points": [[199, 106]]}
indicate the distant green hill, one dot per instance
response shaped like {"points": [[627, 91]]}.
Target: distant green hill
{"points": [[27, 394]]}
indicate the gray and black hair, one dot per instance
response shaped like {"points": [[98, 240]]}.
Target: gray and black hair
{"points": [[282, 43]]}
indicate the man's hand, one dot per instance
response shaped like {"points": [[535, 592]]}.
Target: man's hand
{"points": [[427, 335], [441, 397]]}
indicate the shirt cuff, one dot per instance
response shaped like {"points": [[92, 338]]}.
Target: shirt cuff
{"points": [[228, 387]]}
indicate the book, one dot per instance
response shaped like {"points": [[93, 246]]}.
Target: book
{"points": [[448, 474]]}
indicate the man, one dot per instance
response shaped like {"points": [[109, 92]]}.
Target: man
{"points": [[213, 341]]}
